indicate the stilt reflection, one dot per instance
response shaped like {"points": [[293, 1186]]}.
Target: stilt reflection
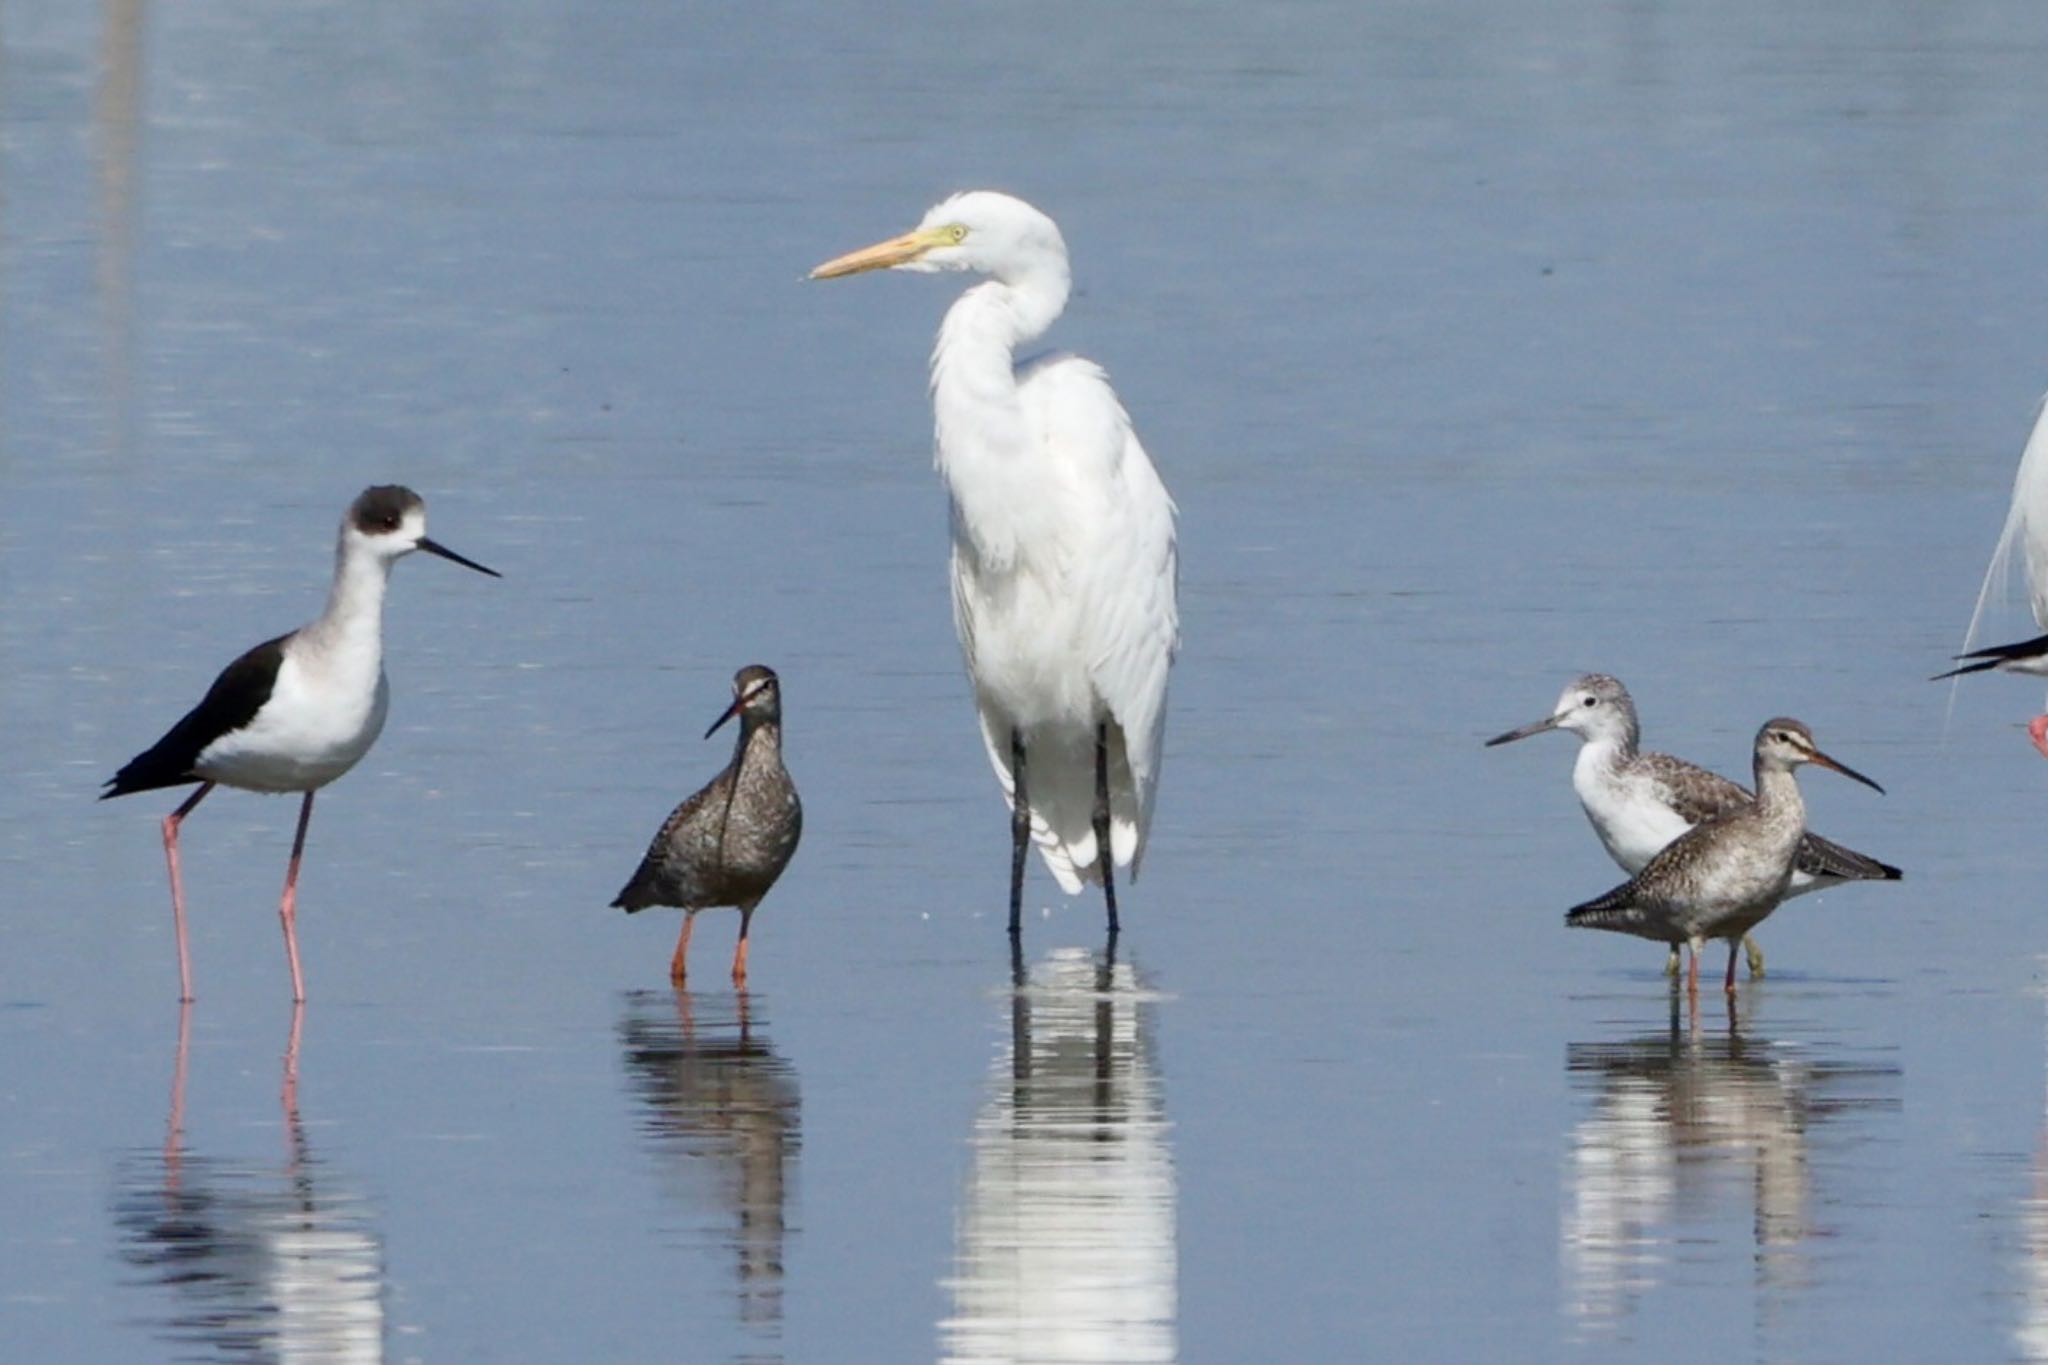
{"points": [[262, 1262], [721, 1114], [1066, 1244], [1690, 1127]]}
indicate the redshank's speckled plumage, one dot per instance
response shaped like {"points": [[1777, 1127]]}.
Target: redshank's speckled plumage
{"points": [[727, 844], [1639, 802], [1724, 876]]}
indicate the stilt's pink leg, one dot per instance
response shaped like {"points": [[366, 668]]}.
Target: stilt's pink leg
{"points": [[2037, 730], [174, 1128], [171, 823], [287, 909], [288, 1093]]}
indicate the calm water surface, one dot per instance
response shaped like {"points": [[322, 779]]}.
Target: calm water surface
{"points": [[1481, 344]]}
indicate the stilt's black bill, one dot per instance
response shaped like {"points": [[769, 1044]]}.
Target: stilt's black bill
{"points": [[434, 547]]}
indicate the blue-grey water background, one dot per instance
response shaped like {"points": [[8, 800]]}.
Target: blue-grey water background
{"points": [[1481, 343]]}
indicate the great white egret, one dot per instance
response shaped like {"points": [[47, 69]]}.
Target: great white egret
{"points": [[1064, 560], [2026, 528]]}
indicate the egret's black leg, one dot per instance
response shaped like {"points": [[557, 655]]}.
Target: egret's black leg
{"points": [[1020, 831], [1104, 861]]}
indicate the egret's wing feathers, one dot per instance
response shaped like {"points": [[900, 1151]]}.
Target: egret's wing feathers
{"points": [[995, 734], [1123, 578], [2025, 529]]}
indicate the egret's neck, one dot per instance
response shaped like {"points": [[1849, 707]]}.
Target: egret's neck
{"points": [[984, 442], [352, 625]]}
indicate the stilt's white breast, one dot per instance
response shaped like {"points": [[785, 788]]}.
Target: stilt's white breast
{"points": [[322, 717]]}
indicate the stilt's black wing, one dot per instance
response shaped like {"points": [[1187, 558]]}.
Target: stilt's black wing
{"points": [[231, 703], [1982, 659]]}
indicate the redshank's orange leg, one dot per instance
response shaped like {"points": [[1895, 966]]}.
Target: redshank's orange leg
{"points": [[171, 823], [287, 909], [2037, 730], [739, 954], [679, 965]]}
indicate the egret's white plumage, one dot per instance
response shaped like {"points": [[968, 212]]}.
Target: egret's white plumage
{"points": [[2026, 530], [1064, 558]]}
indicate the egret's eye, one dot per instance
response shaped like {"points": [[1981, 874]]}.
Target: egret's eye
{"points": [[957, 232]]}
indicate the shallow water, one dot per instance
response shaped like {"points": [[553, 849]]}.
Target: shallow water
{"points": [[1480, 345]]}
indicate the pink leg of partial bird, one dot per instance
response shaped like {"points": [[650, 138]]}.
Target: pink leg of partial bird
{"points": [[171, 823], [2037, 730], [287, 909], [1692, 974]]}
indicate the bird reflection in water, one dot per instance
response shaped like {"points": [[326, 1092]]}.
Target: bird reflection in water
{"points": [[1689, 1127], [721, 1116], [2031, 1338], [1066, 1232], [262, 1262]]}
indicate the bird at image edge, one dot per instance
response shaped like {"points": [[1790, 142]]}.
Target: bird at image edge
{"points": [[2026, 529], [1065, 567]]}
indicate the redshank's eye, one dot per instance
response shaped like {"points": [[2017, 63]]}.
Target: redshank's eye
{"points": [[1592, 701]]}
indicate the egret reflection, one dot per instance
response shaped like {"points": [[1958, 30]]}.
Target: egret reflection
{"points": [[1066, 1247], [256, 1261], [720, 1113], [1688, 1128]]}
